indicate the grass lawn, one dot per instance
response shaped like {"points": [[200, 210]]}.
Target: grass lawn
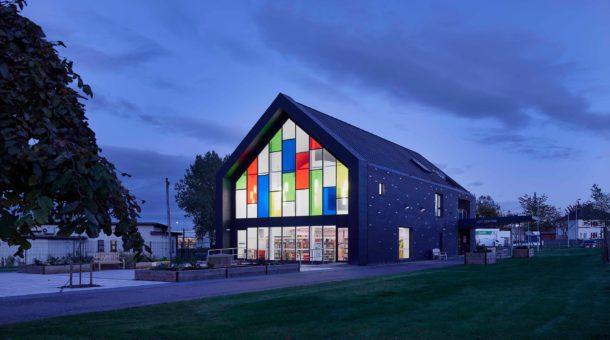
{"points": [[558, 294]]}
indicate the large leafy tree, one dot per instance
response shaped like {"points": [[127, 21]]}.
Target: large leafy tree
{"points": [[50, 165], [487, 207], [537, 205], [195, 192], [601, 204]]}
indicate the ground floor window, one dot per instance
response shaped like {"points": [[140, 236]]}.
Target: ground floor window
{"points": [[302, 243], [100, 246], [113, 246], [404, 239]]}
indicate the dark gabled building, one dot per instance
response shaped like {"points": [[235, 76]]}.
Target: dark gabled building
{"points": [[305, 186]]}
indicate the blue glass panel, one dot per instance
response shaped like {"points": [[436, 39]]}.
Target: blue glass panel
{"points": [[289, 149], [263, 196], [330, 201]]}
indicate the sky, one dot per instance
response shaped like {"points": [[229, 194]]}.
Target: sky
{"points": [[508, 98]]}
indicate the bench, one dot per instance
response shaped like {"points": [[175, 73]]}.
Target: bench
{"points": [[438, 254], [108, 258]]}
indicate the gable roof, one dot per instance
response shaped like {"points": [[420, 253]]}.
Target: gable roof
{"points": [[378, 151]]}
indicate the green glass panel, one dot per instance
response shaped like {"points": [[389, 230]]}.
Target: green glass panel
{"points": [[275, 204], [241, 182], [288, 187], [342, 181], [276, 142], [315, 192]]}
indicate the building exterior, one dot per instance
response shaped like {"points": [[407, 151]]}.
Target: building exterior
{"points": [[586, 224], [47, 243], [304, 186]]}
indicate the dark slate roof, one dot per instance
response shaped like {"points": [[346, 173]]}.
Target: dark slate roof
{"points": [[379, 151]]}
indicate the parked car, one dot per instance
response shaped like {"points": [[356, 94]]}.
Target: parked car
{"points": [[589, 244]]}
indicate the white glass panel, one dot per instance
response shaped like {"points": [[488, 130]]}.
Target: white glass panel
{"points": [[252, 243], [315, 159], [275, 181], [316, 243], [276, 161], [263, 161], [342, 206], [329, 160], [240, 203], [241, 244], [330, 176], [263, 244], [275, 244], [302, 140], [302, 202], [288, 130], [288, 208], [252, 210]]}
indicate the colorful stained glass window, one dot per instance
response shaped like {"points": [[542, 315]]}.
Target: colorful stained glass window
{"points": [[293, 175]]}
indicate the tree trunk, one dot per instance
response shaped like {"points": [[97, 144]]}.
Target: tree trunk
{"points": [[605, 254]]}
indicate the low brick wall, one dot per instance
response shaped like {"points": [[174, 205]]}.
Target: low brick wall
{"points": [[218, 273], [246, 271], [283, 268], [48, 269]]}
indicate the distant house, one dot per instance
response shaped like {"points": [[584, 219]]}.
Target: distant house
{"points": [[305, 186], [584, 224], [47, 243]]}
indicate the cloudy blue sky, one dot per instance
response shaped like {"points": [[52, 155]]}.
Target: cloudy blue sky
{"points": [[507, 97]]}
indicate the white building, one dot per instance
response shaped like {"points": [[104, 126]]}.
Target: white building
{"points": [[582, 225], [47, 243]]}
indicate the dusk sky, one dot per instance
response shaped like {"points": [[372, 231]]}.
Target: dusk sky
{"points": [[507, 97]]}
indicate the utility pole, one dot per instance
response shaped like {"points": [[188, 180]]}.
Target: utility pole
{"points": [[169, 224]]}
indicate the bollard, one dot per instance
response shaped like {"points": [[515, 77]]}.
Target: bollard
{"points": [[91, 274], [70, 274]]}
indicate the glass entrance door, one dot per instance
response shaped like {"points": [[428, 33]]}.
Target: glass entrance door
{"points": [[404, 243], [342, 243]]}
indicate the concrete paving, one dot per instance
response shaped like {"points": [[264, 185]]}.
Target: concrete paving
{"points": [[17, 284], [31, 307]]}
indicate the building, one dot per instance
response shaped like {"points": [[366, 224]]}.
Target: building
{"points": [[304, 186], [47, 243], [584, 224]]}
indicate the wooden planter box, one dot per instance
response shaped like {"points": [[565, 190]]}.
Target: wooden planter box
{"points": [[523, 253], [480, 258], [156, 275], [283, 268], [48, 269], [217, 273], [246, 271], [203, 274]]}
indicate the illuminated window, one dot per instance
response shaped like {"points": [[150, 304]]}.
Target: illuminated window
{"points": [[381, 188], [438, 205], [293, 175], [113, 246]]}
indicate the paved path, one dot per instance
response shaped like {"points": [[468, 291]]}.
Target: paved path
{"points": [[14, 284], [32, 307]]}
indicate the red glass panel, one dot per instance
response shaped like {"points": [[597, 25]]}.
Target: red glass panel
{"points": [[252, 189], [303, 161], [253, 168], [313, 144]]}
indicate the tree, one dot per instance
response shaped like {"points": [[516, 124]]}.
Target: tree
{"points": [[195, 192], [50, 165], [487, 207], [601, 205], [538, 206]]}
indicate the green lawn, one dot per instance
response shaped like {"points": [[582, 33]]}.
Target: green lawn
{"points": [[558, 294]]}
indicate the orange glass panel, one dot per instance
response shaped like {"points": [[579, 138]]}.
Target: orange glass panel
{"points": [[253, 168], [252, 189], [313, 144]]}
